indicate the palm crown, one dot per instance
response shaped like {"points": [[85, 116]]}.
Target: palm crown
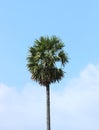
{"points": [[43, 59]]}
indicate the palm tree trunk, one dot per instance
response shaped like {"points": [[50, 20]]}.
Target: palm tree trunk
{"points": [[48, 106]]}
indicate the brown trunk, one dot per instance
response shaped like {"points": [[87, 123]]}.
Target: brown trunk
{"points": [[48, 106]]}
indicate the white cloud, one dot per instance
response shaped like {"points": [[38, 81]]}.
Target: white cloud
{"points": [[21, 110], [78, 104], [76, 107]]}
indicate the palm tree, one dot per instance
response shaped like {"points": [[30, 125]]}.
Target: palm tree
{"points": [[45, 61]]}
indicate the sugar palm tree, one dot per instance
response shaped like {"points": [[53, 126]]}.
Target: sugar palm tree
{"points": [[45, 61]]}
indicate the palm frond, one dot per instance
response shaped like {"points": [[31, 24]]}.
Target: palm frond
{"points": [[42, 59]]}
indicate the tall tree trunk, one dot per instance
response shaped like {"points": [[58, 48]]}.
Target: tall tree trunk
{"points": [[48, 106]]}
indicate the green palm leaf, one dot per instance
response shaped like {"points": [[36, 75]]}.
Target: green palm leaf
{"points": [[43, 58]]}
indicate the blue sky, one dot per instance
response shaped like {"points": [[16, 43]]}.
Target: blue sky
{"points": [[75, 22]]}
